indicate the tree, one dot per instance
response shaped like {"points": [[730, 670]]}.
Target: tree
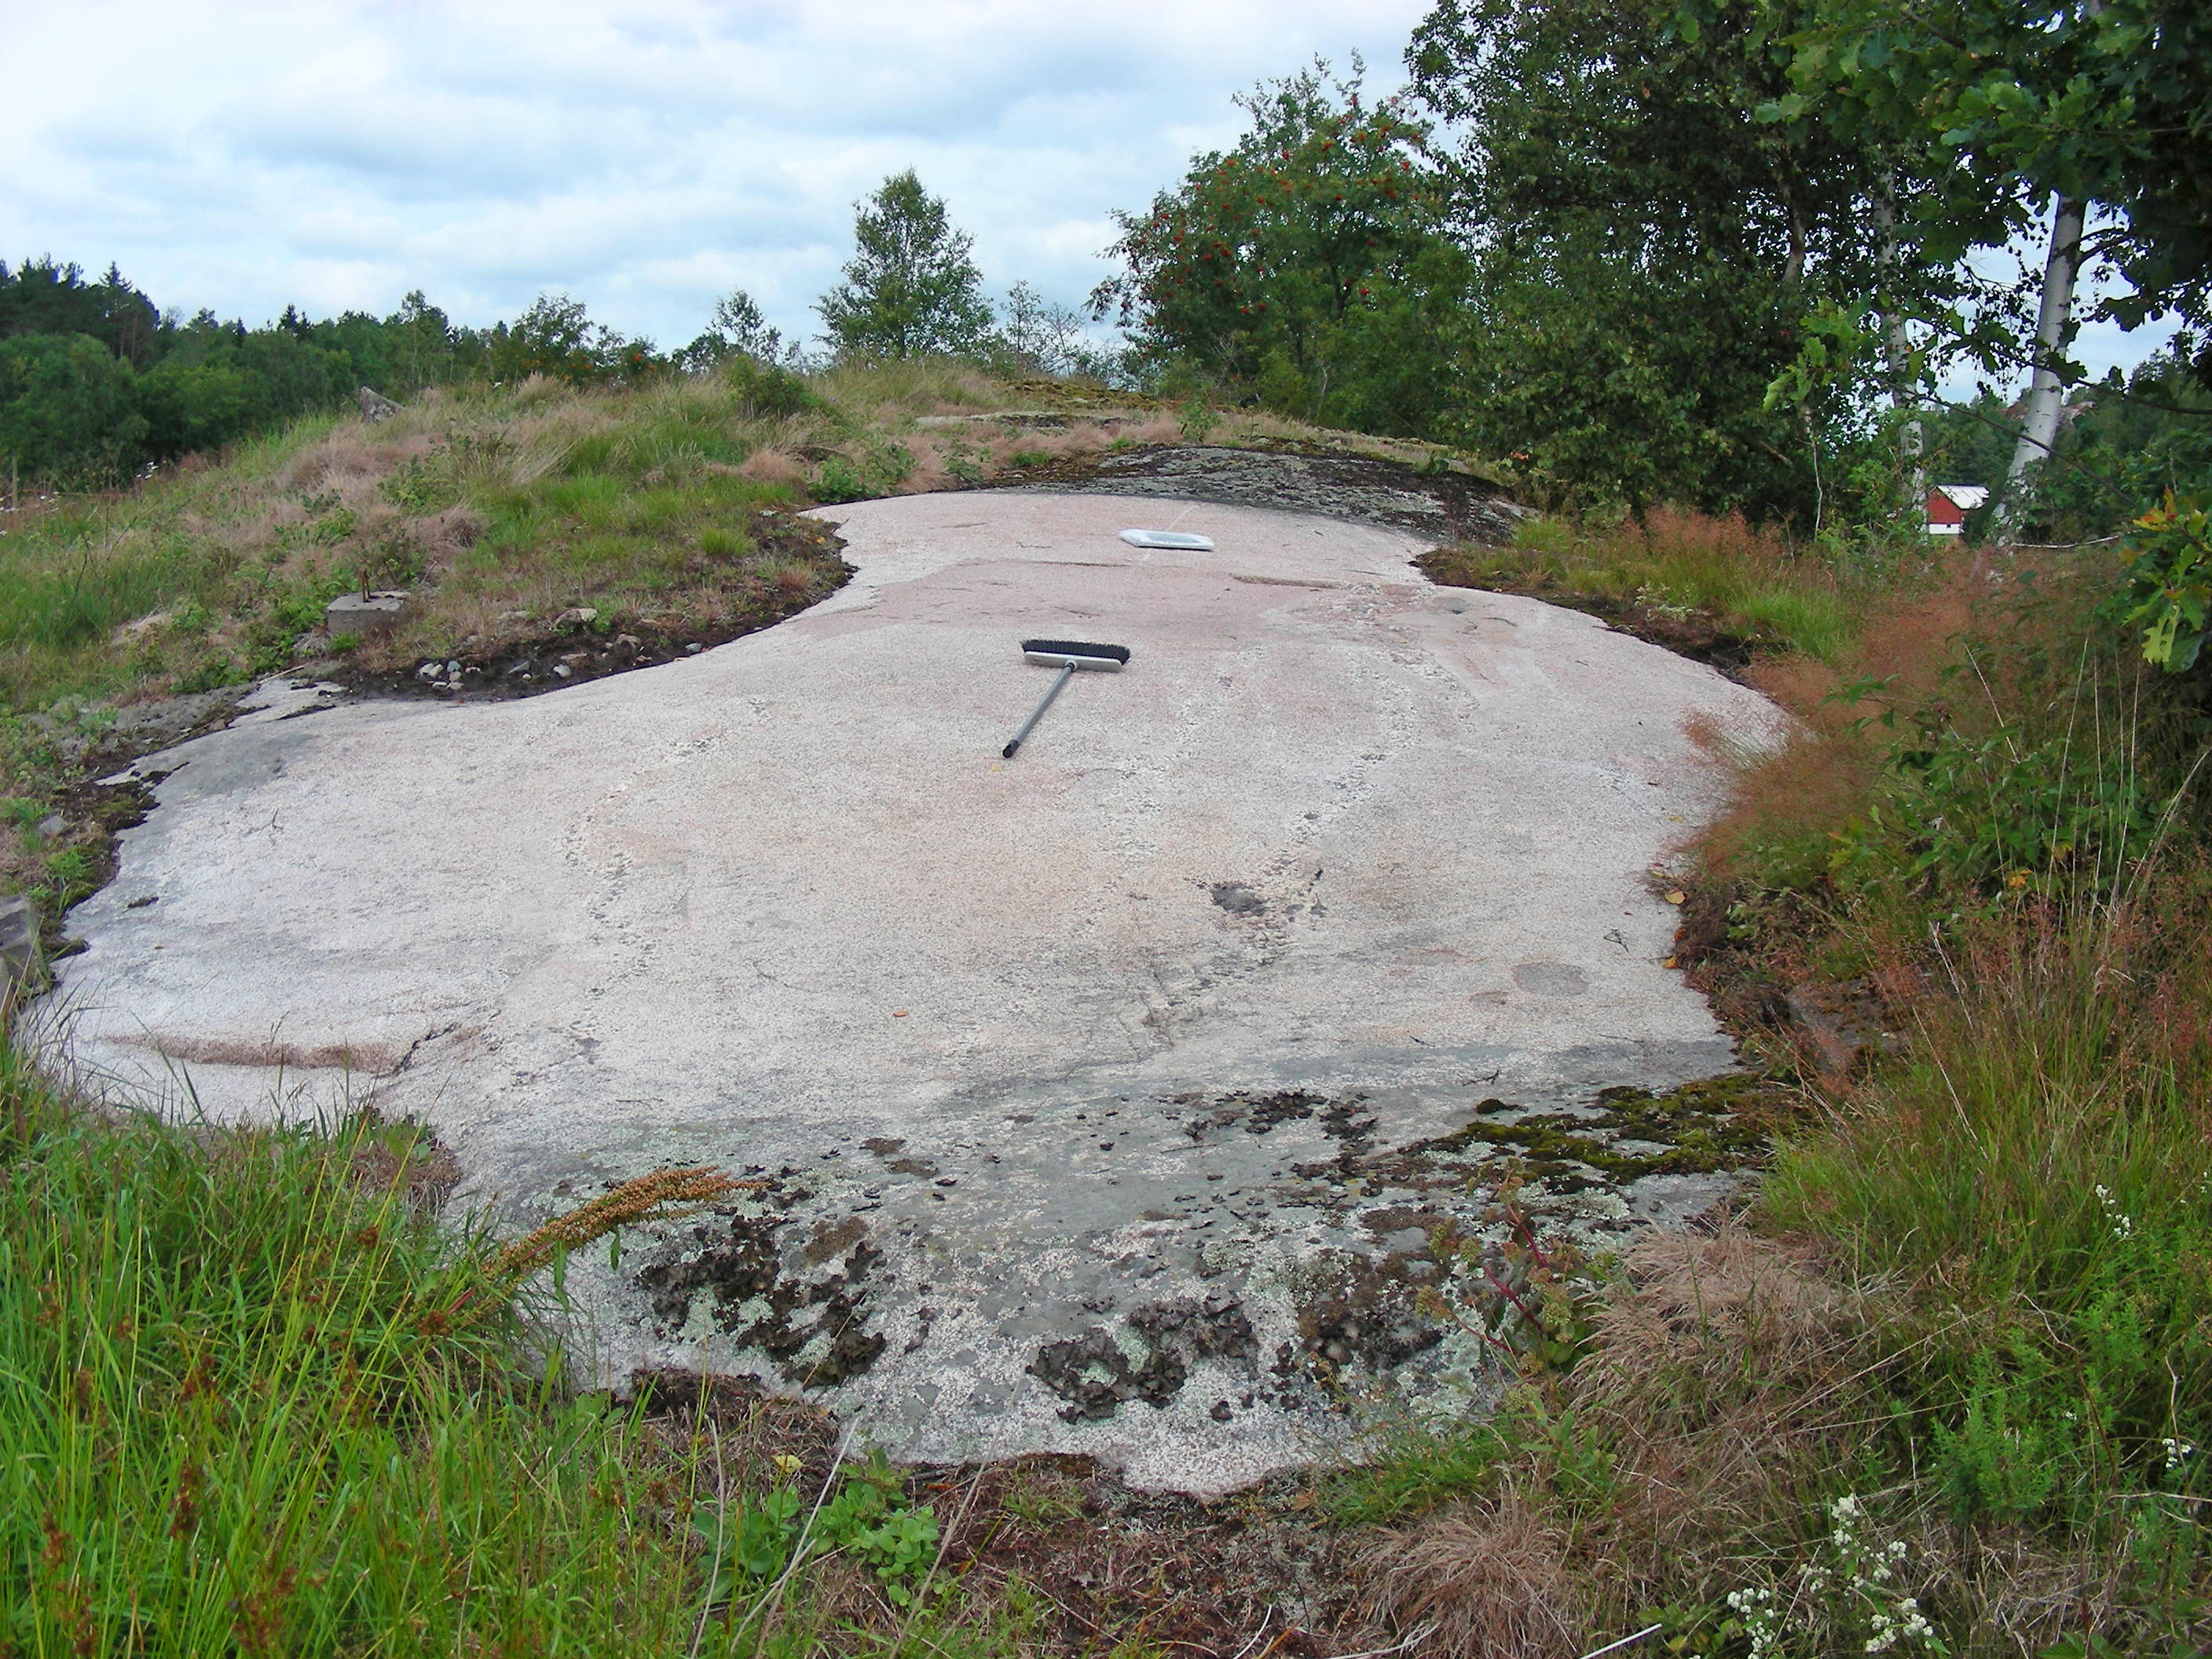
{"points": [[68, 410], [1646, 243], [191, 407], [2101, 108], [737, 329], [1296, 262], [911, 289], [42, 297], [1035, 336], [2084, 105], [556, 336]]}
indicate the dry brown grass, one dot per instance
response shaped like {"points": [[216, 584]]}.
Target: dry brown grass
{"points": [[1489, 1580], [775, 464], [1718, 1381], [1154, 429], [354, 460], [660, 1196]]}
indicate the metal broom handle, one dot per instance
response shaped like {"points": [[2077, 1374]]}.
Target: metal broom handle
{"points": [[1067, 673]]}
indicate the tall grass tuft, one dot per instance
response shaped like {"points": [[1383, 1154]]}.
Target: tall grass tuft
{"points": [[254, 1401], [1675, 567], [236, 1416]]}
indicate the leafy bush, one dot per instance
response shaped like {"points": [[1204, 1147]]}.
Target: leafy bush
{"points": [[2168, 593]]}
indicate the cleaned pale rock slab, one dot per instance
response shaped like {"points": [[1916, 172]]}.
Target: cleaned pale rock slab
{"points": [[1107, 1095]]}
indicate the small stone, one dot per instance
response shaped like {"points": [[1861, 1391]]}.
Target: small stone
{"points": [[452, 671], [577, 615], [429, 670], [693, 649], [374, 405], [1221, 1412], [561, 671], [630, 641], [521, 665], [51, 825]]}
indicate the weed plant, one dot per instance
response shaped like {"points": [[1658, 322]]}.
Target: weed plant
{"points": [[1945, 1387], [254, 1400]]}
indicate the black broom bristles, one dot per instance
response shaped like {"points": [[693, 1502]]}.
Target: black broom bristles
{"points": [[1117, 654]]}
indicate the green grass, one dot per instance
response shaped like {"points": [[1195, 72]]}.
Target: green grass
{"points": [[1678, 576], [492, 500], [253, 1400], [1415, 1469]]}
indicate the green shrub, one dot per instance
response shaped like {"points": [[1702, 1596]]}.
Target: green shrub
{"points": [[837, 480]]}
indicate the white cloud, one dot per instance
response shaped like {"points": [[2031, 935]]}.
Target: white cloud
{"points": [[643, 156]]}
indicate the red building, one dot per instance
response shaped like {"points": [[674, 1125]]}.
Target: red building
{"points": [[1948, 505]]}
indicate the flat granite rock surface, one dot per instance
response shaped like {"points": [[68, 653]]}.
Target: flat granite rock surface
{"points": [[1106, 1100]]}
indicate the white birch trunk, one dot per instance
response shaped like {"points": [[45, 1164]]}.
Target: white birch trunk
{"points": [[1897, 349], [2039, 430]]}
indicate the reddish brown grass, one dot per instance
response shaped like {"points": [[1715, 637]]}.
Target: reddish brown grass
{"points": [[1716, 1383], [1823, 772], [1685, 533], [773, 465]]}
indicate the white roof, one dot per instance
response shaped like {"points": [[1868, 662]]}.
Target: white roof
{"points": [[1965, 497]]}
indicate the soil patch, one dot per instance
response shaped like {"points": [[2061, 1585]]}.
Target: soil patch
{"points": [[1100, 1562], [530, 657]]}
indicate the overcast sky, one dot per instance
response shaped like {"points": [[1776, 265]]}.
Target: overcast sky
{"points": [[645, 157]]}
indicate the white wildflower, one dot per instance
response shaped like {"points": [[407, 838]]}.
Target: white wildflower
{"points": [[2123, 1224]]}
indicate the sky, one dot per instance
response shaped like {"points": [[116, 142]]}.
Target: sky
{"points": [[644, 156]]}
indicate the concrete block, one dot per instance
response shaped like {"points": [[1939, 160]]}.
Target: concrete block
{"points": [[365, 614]]}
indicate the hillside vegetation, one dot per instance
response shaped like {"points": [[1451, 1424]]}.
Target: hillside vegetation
{"points": [[1939, 1379], [1694, 276]]}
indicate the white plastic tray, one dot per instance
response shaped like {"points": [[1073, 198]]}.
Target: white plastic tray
{"points": [[1168, 538]]}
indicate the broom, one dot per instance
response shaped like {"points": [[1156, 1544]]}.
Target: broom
{"points": [[1067, 656]]}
